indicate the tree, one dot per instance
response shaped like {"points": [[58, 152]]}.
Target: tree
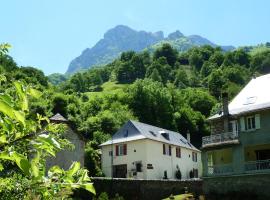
{"points": [[216, 82], [25, 144], [199, 100], [59, 104], [151, 103], [155, 76], [181, 79], [168, 52]]}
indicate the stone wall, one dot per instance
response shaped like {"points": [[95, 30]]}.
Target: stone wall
{"points": [[248, 187], [132, 189], [66, 157]]}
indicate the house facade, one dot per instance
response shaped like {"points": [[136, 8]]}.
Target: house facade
{"points": [[66, 157], [143, 151], [239, 143]]}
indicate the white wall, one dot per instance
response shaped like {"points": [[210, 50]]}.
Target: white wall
{"points": [[151, 152], [139, 146], [162, 162]]}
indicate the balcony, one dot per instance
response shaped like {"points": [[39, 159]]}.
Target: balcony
{"points": [[219, 139], [217, 170], [257, 166]]}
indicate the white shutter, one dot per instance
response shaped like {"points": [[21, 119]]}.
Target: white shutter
{"points": [[242, 124], [257, 121]]}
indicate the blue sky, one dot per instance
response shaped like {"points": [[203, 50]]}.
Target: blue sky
{"points": [[49, 34]]}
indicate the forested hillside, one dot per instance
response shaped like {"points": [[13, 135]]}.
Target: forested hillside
{"points": [[166, 88]]}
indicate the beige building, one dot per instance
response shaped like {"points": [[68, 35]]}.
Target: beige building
{"points": [[143, 151]]}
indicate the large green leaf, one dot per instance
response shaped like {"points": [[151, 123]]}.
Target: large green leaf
{"points": [[6, 109], [22, 95], [73, 168], [89, 187], [35, 165], [34, 93], [20, 116], [3, 139], [22, 162]]}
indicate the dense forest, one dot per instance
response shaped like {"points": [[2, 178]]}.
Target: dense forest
{"points": [[165, 88]]}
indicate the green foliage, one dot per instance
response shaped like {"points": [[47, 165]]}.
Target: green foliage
{"points": [[167, 52], [57, 78], [25, 144]]}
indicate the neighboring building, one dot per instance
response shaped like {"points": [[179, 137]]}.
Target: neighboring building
{"points": [[64, 158], [143, 151], [239, 143]]}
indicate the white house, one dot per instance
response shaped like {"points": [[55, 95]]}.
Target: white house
{"points": [[143, 151]]}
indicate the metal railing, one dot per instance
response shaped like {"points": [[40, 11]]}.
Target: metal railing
{"points": [[258, 165], [219, 138], [220, 169]]}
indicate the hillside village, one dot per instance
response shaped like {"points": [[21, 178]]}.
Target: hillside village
{"points": [[145, 125]]}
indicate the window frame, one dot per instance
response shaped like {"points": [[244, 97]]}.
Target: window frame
{"points": [[121, 150], [178, 152], [194, 157], [250, 123]]}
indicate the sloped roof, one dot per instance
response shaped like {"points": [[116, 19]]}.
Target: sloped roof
{"points": [[254, 96], [146, 131], [59, 118]]}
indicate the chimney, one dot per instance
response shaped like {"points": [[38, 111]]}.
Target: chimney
{"points": [[225, 103], [188, 136]]}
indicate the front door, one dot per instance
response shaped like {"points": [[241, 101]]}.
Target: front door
{"points": [[119, 171]]}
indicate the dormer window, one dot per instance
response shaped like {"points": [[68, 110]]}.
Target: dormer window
{"points": [[153, 133], [166, 136], [250, 100], [126, 133]]}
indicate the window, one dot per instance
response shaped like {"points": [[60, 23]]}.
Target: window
{"points": [[195, 173], [167, 149], [194, 156], [121, 150], [110, 153], [233, 126], [166, 136], [138, 166], [153, 133], [126, 133], [178, 152], [250, 123]]}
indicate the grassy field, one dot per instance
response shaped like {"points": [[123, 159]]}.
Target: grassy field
{"points": [[108, 88]]}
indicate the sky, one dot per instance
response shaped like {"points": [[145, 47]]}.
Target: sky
{"points": [[49, 34]]}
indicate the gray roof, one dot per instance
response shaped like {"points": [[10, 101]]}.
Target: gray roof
{"points": [[146, 131], [59, 118], [253, 97]]}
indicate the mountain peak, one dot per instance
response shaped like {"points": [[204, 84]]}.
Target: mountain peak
{"points": [[175, 35], [122, 38]]}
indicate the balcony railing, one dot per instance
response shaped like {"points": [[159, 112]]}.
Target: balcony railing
{"points": [[219, 138], [258, 165], [216, 170]]}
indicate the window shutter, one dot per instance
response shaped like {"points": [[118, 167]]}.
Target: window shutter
{"points": [[242, 124], [125, 149], [116, 150], [170, 150], [179, 152], [164, 150], [257, 121], [176, 151]]}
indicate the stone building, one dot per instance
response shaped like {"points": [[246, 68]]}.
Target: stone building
{"points": [[64, 158]]}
